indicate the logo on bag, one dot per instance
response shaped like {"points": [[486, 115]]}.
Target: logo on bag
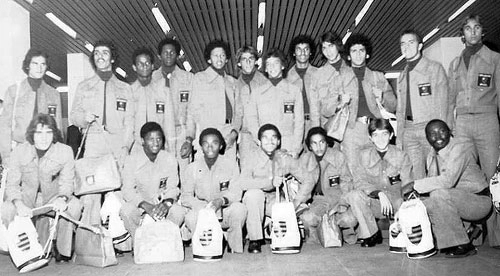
{"points": [[206, 237], [484, 80], [52, 110], [90, 179], [288, 107], [160, 107], [224, 185], [394, 179], [121, 104], [415, 236], [334, 180], [163, 183], [23, 242], [424, 89], [184, 96], [279, 229]]}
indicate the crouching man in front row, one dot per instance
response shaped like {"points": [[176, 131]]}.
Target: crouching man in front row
{"points": [[211, 182], [42, 171], [381, 172], [150, 181], [457, 188]]}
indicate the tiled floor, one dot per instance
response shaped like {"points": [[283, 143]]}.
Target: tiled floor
{"points": [[313, 260]]}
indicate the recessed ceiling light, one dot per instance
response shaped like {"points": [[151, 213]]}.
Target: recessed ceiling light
{"points": [[461, 10], [260, 43], [187, 66], [121, 72], [261, 17], [399, 59], [62, 89], [161, 20], [429, 35], [52, 75], [89, 46], [63, 26], [363, 11]]}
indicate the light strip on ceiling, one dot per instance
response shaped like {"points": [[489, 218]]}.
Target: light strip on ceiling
{"points": [[429, 35], [260, 43], [89, 46], [261, 18], [392, 75], [187, 66], [363, 11], [461, 10], [52, 75], [121, 72], [399, 59], [67, 29], [346, 37], [62, 89], [161, 20]]}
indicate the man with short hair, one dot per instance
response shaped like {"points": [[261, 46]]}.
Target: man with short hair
{"points": [[422, 96], [179, 84], [474, 95], [248, 81], [261, 173], [458, 189], [153, 102], [216, 102], [26, 99], [302, 49]]}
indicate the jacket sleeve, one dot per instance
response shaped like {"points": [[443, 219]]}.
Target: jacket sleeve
{"points": [[13, 186], [77, 115], [389, 100], [172, 190], [314, 103], [249, 181], [406, 170], [452, 95], [298, 132], [67, 174], [129, 119], [306, 178], [442, 89], [6, 123], [129, 183], [187, 188], [253, 115], [233, 194], [169, 122], [237, 109], [193, 107]]}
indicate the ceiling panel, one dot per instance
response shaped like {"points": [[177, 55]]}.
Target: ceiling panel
{"points": [[131, 24]]}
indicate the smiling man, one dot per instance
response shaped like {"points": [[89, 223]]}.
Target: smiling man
{"points": [[26, 99], [422, 96], [457, 189]]}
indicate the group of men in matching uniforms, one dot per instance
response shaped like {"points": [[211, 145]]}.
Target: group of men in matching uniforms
{"points": [[181, 138]]}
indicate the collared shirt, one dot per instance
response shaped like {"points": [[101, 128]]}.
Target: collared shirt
{"points": [[458, 169], [153, 104], [144, 180], [374, 172], [429, 94], [53, 174], [207, 108], [119, 110], [49, 102], [202, 183], [475, 90], [282, 106], [335, 178]]}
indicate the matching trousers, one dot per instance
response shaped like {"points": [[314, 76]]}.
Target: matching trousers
{"points": [[259, 204], [416, 146], [354, 139]]}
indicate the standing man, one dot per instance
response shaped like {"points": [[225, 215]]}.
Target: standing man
{"points": [[422, 96], [474, 96], [153, 102], [302, 48], [26, 99], [179, 83], [250, 78], [372, 91], [458, 190], [215, 102]]}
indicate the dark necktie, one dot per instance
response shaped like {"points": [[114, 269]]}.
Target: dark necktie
{"points": [[104, 107], [229, 110]]}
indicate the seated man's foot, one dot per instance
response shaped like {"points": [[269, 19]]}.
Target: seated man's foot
{"points": [[373, 240], [186, 243], [254, 247], [57, 256], [461, 251]]}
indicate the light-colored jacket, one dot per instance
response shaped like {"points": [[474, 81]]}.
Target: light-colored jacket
{"points": [[148, 181], [295, 79], [245, 91], [467, 93], [153, 103], [203, 184], [207, 107], [282, 106], [89, 96], [53, 174], [425, 106], [49, 102]]}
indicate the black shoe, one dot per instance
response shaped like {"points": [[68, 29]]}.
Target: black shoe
{"points": [[461, 251], [57, 256], [474, 232], [186, 243], [254, 247], [373, 240]]}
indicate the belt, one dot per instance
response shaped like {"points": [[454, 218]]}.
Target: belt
{"points": [[307, 117], [365, 119]]}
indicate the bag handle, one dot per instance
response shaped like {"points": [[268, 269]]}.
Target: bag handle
{"points": [[84, 138]]}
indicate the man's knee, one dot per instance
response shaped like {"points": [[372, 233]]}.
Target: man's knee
{"points": [[440, 194], [310, 219], [238, 212], [254, 196], [176, 214], [8, 213]]}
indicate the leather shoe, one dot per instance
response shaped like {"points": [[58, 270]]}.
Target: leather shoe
{"points": [[254, 247], [373, 240], [461, 251]]}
